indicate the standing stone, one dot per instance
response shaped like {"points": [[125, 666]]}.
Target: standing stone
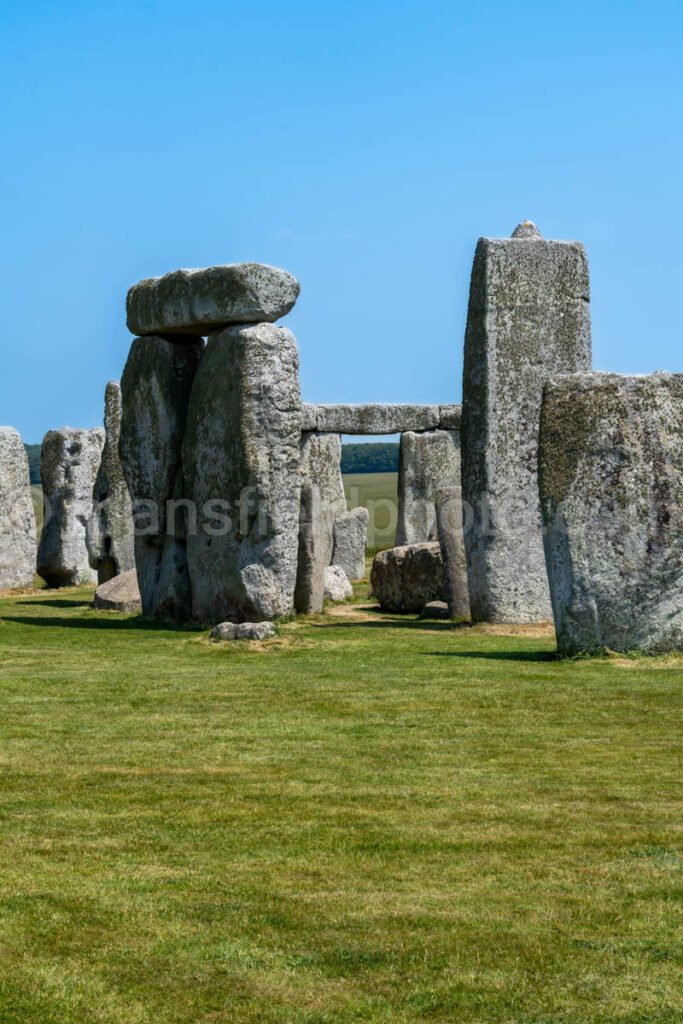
{"points": [[449, 522], [17, 519], [528, 319], [155, 392], [69, 463], [350, 539], [321, 466], [109, 533], [310, 573], [241, 460], [427, 462], [611, 485], [201, 301]]}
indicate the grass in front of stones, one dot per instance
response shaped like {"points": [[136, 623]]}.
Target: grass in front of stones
{"points": [[369, 818]]}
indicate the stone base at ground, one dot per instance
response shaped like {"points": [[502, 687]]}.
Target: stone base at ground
{"points": [[405, 579], [17, 519], [120, 594], [350, 537], [243, 631], [611, 486], [435, 610], [337, 584]]}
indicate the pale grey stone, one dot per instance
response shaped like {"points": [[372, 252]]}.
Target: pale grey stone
{"points": [[155, 391], [321, 466], [309, 417], [121, 593], [350, 539], [427, 462], [241, 458], [17, 519], [243, 631], [435, 610], [69, 463], [337, 584], [528, 319], [201, 301], [311, 564], [406, 578], [449, 524], [109, 533], [527, 229], [374, 419], [450, 417], [611, 485]]}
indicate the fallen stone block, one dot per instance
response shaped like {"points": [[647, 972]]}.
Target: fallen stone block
{"points": [[119, 594], [243, 631], [611, 487], [405, 579], [337, 584]]}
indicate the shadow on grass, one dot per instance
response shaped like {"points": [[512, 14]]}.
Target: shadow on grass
{"points": [[389, 623], [497, 655], [55, 602], [136, 623]]}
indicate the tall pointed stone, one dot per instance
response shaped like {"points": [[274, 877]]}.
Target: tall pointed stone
{"points": [[109, 533], [17, 518], [155, 393], [528, 319], [69, 463], [241, 461]]}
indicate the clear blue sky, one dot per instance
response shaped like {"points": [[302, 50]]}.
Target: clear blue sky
{"points": [[363, 145]]}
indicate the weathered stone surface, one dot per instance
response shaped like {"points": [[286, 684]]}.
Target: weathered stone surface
{"points": [[406, 578], [337, 584], [321, 466], [311, 564], [309, 417], [449, 524], [201, 301], [528, 319], [374, 419], [243, 631], [17, 520], [435, 610], [155, 392], [527, 229], [242, 451], [450, 417], [109, 533], [427, 462], [611, 485], [350, 537], [69, 463], [119, 594]]}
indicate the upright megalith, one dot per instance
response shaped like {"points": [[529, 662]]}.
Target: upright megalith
{"points": [[17, 519], [109, 533], [241, 458], [69, 463], [321, 466], [427, 462], [449, 523], [201, 301], [611, 487], [309, 591], [528, 319], [155, 393], [350, 540]]}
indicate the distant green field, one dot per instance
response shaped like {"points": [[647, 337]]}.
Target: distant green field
{"points": [[378, 493]]}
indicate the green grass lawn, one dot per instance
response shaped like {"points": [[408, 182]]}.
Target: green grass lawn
{"points": [[370, 818], [378, 492]]}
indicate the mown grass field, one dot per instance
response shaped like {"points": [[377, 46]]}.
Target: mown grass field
{"points": [[370, 818], [378, 492]]}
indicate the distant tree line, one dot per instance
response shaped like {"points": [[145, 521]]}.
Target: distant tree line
{"points": [[374, 457], [33, 452]]}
